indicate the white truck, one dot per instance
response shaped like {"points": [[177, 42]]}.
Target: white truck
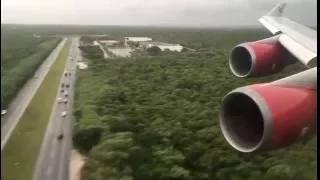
{"points": [[59, 100], [3, 112], [63, 114]]}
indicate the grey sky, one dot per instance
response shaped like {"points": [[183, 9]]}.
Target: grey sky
{"points": [[207, 13]]}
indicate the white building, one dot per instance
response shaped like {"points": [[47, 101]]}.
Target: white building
{"points": [[109, 42], [36, 36], [81, 65], [174, 47], [137, 39], [95, 43], [164, 46], [99, 35]]}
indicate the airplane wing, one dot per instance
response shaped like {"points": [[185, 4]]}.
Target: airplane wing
{"points": [[298, 39], [269, 116]]}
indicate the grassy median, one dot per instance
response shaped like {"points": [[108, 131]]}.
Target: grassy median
{"points": [[19, 157]]}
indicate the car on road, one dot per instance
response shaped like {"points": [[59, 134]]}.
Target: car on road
{"points": [[65, 100], [62, 90], [66, 94], [63, 114], [3, 112], [60, 136], [67, 85], [69, 73], [59, 100], [62, 85], [65, 74]]}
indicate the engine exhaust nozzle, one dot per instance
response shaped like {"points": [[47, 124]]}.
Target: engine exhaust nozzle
{"points": [[244, 120], [268, 116]]}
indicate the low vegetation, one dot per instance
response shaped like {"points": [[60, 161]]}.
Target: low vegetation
{"points": [[156, 118], [153, 51], [21, 55], [89, 51], [22, 149]]}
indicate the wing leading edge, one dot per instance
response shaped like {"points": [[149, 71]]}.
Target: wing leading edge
{"points": [[298, 39]]}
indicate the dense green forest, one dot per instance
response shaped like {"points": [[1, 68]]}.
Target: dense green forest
{"points": [[156, 118], [91, 52], [21, 55]]}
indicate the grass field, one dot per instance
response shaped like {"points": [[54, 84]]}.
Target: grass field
{"points": [[21, 152]]}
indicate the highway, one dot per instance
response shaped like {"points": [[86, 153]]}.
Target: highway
{"points": [[18, 105], [54, 156]]}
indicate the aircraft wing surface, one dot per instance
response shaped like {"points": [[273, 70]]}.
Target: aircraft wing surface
{"points": [[298, 39], [274, 115]]}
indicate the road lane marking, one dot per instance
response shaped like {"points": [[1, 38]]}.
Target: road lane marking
{"points": [[48, 172], [67, 129], [52, 153]]}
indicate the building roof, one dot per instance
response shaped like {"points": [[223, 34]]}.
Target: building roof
{"points": [[164, 46], [156, 43], [108, 41], [138, 39], [99, 35]]}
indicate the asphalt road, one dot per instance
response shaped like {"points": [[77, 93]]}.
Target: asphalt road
{"points": [[23, 98], [54, 156]]}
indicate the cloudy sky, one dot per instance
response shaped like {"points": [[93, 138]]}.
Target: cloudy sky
{"points": [[196, 13]]}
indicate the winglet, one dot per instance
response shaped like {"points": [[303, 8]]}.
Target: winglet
{"points": [[278, 9]]}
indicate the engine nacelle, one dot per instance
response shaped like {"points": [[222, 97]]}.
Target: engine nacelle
{"points": [[259, 58], [266, 116]]}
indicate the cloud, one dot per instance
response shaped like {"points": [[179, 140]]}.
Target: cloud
{"points": [[149, 12]]}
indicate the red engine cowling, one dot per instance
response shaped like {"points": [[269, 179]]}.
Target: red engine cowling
{"points": [[258, 58], [265, 116]]}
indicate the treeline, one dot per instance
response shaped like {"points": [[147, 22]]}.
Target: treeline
{"points": [[21, 55], [156, 118], [191, 37], [91, 52], [87, 39], [18, 45]]}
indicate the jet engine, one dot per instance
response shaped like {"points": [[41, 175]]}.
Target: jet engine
{"points": [[270, 115], [259, 58]]}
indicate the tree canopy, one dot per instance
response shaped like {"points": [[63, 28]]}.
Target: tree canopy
{"points": [[156, 118]]}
